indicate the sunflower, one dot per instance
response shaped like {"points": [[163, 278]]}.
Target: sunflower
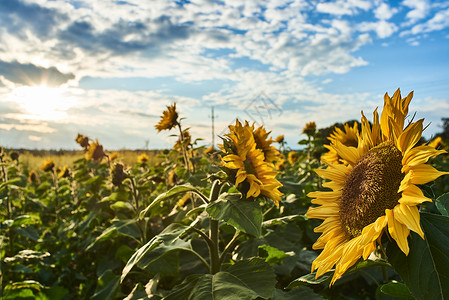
{"points": [[375, 192], [143, 158], [169, 119], [48, 165], [82, 140], [348, 137], [254, 174], [95, 152], [280, 139], [262, 142], [293, 157], [438, 141], [309, 129]]}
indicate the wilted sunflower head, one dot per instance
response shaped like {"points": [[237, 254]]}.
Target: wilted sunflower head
{"points": [[14, 155], [309, 129], [95, 152], [82, 140], [33, 177], [374, 189], [117, 173], [184, 141], [348, 137], [48, 165], [246, 164], [169, 119], [143, 158]]}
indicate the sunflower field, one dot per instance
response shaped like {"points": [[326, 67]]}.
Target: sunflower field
{"points": [[361, 211]]}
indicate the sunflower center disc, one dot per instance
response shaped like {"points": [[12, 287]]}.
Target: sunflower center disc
{"points": [[371, 187]]}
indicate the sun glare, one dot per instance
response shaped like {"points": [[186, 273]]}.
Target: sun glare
{"points": [[42, 103]]}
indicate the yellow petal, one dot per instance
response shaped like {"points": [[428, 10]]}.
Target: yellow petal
{"points": [[322, 212], [410, 136], [413, 195], [327, 196], [420, 155], [350, 154], [409, 216], [422, 174], [334, 172], [398, 231]]}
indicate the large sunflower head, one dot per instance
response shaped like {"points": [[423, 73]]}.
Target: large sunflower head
{"points": [[348, 136], [48, 165], [169, 119], [374, 191], [252, 174]]}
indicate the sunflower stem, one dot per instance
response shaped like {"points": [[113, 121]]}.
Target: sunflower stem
{"points": [[183, 147], [215, 262]]}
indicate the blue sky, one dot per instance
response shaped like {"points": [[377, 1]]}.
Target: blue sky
{"points": [[107, 69]]}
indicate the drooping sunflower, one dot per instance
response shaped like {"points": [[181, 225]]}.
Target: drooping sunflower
{"points": [[95, 152], [254, 175], [169, 119], [348, 137], [375, 192]]}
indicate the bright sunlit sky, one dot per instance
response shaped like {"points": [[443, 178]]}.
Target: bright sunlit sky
{"points": [[107, 69]]}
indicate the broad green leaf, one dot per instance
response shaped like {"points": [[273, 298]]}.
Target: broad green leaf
{"points": [[282, 220], [275, 256], [107, 286], [442, 203], [167, 240], [244, 215], [244, 280], [120, 205], [309, 279], [124, 227], [397, 290], [425, 270], [301, 292], [173, 191]]}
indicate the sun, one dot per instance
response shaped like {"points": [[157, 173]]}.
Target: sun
{"points": [[42, 102]]}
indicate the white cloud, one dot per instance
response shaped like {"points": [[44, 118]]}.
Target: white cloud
{"points": [[384, 11], [419, 10], [343, 7], [439, 21], [382, 28]]}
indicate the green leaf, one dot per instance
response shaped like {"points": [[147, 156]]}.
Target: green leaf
{"points": [[168, 240], [425, 269], [309, 279], [173, 191], [442, 203], [120, 205], [301, 292], [282, 220], [396, 289], [244, 215], [244, 280], [26, 255], [124, 227], [107, 286], [275, 256]]}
